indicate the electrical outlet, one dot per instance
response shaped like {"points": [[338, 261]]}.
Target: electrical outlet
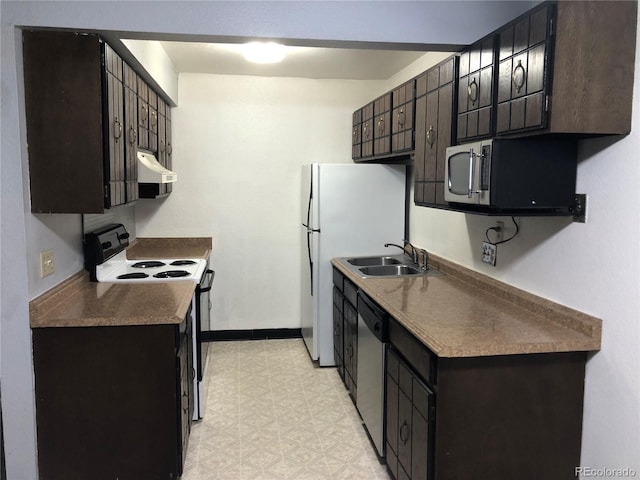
{"points": [[47, 263], [489, 253], [499, 231]]}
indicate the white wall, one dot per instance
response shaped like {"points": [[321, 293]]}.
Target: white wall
{"points": [[239, 144]]}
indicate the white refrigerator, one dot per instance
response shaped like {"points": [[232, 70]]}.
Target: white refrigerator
{"points": [[347, 210]]}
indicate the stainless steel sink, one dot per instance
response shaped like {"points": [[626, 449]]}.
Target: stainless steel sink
{"points": [[385, 266], [390, 270], [372, 261]]}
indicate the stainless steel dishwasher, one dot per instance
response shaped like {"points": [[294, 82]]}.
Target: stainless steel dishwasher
{"points": [[373, 334]]}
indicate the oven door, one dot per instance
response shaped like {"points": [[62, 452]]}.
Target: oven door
{"points": [[203, 319]]}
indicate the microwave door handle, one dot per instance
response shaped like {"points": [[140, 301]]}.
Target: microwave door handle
{"points": [[471, 169]]}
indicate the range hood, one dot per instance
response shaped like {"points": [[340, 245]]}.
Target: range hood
{"points": [[150, 170]]}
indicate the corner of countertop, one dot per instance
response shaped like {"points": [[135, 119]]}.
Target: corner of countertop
{"points": [[39, 306]]}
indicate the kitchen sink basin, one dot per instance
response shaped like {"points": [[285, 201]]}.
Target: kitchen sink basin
{"points": [[372, 261], [385, 266], [390, 270]]}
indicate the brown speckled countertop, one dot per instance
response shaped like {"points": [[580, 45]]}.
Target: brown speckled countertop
{"points": [[78, 302], [466, 314]]}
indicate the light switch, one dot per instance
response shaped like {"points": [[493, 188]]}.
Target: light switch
{"points": [[47, 263]]}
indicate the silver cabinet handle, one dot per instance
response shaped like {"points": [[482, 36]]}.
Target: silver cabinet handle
{"points": [[518, 76], [431, 136], [133, 135], [117, 126], [472, 91], [404, 433]]}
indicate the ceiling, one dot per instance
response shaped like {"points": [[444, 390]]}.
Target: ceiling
{"points": [[303, 62]]}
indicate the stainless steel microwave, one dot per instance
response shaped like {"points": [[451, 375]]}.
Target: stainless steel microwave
{"points": [[531, 173]]}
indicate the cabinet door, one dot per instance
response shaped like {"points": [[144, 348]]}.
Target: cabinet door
{"points": [[382, 125], [167, 136], [153, 121], [434, 131], [475, 91], [419, 158], [161, 137], [523, 78], [402, 117], [443, 137], [367, 130], [409, 405], [356, 135], [114, 131], [420, 441], [131, 132], [143, 114], [351, 347], [391, 412]]}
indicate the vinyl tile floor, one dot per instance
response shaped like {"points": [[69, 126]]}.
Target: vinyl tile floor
{"points": [[270, 414]]}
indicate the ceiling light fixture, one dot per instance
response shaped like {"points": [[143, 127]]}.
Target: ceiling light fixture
{"points": [[263, 52]]}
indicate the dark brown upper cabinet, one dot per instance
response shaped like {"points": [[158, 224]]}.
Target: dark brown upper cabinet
{"points": [[402, 117], [356, 135], [382, 125], [153, 120], [593, 67], [561, 68], [143, 114], [367, 131], [131, 131], [76, 123], [164, 141], [476, 90], [434, 130], [523, 63]]}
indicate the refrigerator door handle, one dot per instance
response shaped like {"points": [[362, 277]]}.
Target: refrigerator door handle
{"points": [[309, 204], [309, 233]]}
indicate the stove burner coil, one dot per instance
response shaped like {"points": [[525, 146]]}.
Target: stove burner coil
{"points": [[149, 264], [182, 262], [127, 276], [172, 274]]}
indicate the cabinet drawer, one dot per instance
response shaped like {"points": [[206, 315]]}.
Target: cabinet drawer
{"points": [[420, 358]]}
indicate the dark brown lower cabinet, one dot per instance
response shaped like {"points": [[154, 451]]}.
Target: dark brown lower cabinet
{"points": [[345, 330], [409, 421], [338, 331], [350, 348], [113, 402], [495, 417]]}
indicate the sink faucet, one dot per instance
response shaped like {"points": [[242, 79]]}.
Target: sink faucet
{"points": [[425, 259], [414, 253]]}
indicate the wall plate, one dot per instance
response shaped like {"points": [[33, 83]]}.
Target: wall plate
{"points": [[579, 209], [47, 263], [489, 253]]}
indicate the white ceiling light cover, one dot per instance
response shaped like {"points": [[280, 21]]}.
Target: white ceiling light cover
{"points": [[264, 52]]}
